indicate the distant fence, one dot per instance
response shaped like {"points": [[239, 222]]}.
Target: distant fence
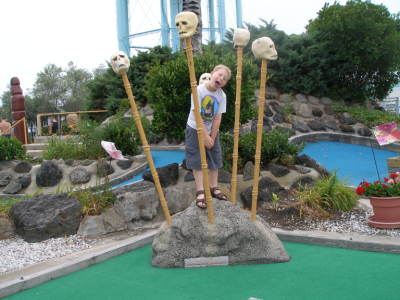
{"points": [[391, 104]]}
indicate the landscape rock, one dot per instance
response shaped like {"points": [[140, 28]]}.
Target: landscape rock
{"points": [[233, 234], [46, 216], [5, 178], [278, 170], [125, 164], [92, 226], [104, 168], [300, 126], [364, 131], [23, 167], [316, 125], [49, 174], [248, 170], [79, 175], [168, 175]]}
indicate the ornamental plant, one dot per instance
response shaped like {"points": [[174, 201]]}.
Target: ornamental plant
{"points": [[390, 187]]}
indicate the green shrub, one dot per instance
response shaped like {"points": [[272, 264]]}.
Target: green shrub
{"points": [[11, 148], [275, 147], [369, 117], [65, 149], [87, 145], [328, 193], [94, 203]]}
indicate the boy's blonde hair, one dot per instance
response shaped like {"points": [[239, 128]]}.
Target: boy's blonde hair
{"points": [[228, 71]]}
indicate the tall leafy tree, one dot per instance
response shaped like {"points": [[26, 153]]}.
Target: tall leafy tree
{"points": [[56, 89], [361, 43]]}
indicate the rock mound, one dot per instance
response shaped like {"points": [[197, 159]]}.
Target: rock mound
{"points": [[233, 235]]}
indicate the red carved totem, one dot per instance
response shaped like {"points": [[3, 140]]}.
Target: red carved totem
{"points": [[17, 108]]}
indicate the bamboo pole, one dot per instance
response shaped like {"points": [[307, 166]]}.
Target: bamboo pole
{"points": [[235, 154], [257, 157], [146, 146], [199, 125]]}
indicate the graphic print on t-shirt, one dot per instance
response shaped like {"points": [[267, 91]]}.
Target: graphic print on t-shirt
{"points": [[209, 107]]}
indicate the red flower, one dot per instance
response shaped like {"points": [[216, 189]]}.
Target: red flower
{"points": [[386, 179], [394, 175], [385, 186], [365, 184], [360, 190]]}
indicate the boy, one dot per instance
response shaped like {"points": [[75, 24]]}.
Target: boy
{"points": [[212, 102]]}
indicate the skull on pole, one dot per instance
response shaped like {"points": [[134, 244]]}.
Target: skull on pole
{"points": [[120, 62], [264, 48], [186, 22]]}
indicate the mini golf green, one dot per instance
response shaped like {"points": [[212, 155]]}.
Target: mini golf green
{"points": [[314, 272]]}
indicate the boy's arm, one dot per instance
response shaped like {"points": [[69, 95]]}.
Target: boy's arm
{"points": [[215, 126]]}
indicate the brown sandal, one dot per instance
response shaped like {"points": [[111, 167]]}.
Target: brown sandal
{"points": [[201, 202], [217, 193]]}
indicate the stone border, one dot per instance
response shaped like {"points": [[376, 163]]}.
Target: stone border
{"points": [[19, 280], [319, 136]]}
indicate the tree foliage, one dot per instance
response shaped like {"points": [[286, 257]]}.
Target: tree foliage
{"points": [[360, 43], [56, 89], [107, 87]]}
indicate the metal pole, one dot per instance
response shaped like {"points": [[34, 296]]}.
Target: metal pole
{"points": [[211, 15], [164, 24], [123, 26]]}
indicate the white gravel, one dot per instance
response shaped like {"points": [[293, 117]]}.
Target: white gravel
{"points": [[352, 222], [15, 253]]}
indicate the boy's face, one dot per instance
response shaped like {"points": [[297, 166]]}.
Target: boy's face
{"points": [[219, 78]]}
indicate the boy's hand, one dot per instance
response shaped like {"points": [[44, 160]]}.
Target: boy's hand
{"points": [[208, 141]]}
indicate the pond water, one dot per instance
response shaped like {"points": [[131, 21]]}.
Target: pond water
{"points": [[352, 162], [161, 158]]}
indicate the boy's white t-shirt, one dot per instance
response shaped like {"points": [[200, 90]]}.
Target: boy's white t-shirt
{"points": [[211, 103]]}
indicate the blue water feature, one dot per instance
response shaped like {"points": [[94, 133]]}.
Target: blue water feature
{"points": [[161, 158], [352, 162]]}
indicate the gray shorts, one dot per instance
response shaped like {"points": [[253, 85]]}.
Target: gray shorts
{"points": [[192, 153]]}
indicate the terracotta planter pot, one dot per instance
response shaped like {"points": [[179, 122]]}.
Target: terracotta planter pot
{"points": [[386, 212]]}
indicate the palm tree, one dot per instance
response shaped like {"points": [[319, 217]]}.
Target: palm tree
{"points": [[194, 6]]}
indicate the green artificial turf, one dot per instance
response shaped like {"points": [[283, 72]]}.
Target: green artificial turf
{"points": [[314, 272]]}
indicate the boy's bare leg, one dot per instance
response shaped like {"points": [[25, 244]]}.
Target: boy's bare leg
{"points": [[213, 175], [200, 198]]}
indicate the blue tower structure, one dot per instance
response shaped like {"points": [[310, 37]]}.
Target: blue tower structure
{"points": [[214, 25]]}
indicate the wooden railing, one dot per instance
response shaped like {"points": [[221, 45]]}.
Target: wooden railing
{"points": [[39, 117], [25, 129]]}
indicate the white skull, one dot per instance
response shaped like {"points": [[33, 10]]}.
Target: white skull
{"points": [[264, 48], [204, 78], [120, 62], [186, 22], [241, 37]]}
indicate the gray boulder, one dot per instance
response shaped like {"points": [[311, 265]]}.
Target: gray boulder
{"points": [[5, 178], [278, 170], [300, 126], [248, 170], [316, 125], [168, 175], [22, 167], [266, 186], [125, 164], [104, 168], [364, 131], [49, 174], [137, 202], [79, 176], [233, 235], [46, 216]]}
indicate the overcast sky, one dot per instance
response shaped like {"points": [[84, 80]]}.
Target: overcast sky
{"points": [[35, 33]]}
